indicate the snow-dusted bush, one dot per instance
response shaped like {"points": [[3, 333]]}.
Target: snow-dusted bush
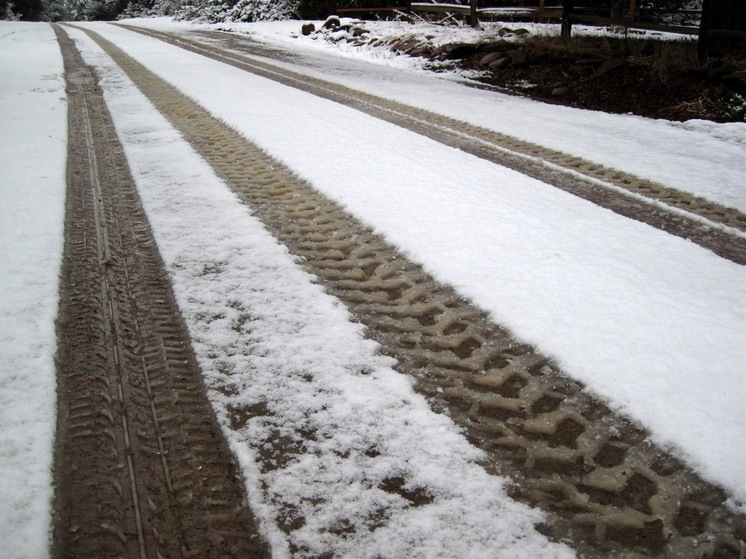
{"points": [[6, 12], [262, 10], [149, 8], [214, 11]]}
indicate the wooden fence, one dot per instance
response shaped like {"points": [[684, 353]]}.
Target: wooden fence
{"points": [[569, 14], [542, 12]]}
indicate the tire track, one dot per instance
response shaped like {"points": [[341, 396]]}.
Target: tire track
{"points": [[141, 469], [710, 225], [604, 486]]}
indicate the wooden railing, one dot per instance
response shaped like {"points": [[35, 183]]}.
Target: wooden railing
{"points": [[540, 11], [568, 14], [470, 11]]}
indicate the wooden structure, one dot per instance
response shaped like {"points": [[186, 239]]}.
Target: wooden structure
{"points": [[568, 13]]}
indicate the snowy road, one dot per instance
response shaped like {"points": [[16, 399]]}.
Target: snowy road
{"points": [[652, 324]]}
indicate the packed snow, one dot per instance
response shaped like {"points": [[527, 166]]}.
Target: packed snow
{"points": [[652, 323]]}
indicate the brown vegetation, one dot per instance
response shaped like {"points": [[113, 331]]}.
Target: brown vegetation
{"points": [[647, 77]]}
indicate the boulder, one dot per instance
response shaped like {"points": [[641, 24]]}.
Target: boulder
{"points": [[518, 58], [499, 63], [490, 47], [488, 59], [404, 46], [308, 28], [696, 71], [734, 80], [331, 22], [422, 50], [589, 61], [717, 73], [611, 65], [461, 51]]}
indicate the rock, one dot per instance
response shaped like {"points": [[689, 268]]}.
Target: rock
{"points": [[439, 52], [331, 22], [459, 51], [696, 71], [404, 46], [518, 58], [521, 32], [716, 74], [420, 51], [499, 63], [337, 36], [359, 31], [734, 80], [490, 47], [397, 46], [610, 65], [589, 61], [308, 28], [488, 59], [559, 91]]}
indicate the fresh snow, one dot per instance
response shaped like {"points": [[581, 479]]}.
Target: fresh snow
{"points": [[33, 147], [653, 324], [701, 157]]}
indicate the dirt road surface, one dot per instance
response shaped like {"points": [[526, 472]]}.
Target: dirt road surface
{"points": [[141, 466]]}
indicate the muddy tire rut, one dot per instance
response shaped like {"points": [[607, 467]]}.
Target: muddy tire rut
{"points": [[606, 489], [141, 467]]}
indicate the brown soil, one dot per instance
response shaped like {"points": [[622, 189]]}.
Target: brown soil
{"points": [[648, 84]]}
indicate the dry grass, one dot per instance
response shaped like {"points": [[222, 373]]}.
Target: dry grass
{"points": [[663, 57]]}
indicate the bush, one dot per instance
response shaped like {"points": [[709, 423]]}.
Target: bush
{"points": [[215, 11]]}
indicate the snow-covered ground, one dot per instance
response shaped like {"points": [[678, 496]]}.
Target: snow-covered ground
{"points": [[652, 323], [33, 128], [701, 157]]}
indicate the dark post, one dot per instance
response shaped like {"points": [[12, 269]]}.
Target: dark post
{"points": [[473, 19], [567, 8], [704, 32]]}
